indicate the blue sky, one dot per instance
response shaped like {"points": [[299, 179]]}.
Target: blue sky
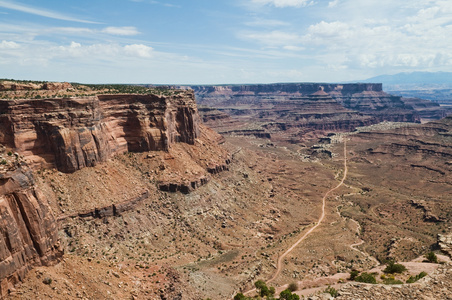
{"points": [[219, 42]]}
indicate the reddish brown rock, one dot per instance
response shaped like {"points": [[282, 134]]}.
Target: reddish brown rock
{"points": [[299, 110], [73, 133], [28, 230]]}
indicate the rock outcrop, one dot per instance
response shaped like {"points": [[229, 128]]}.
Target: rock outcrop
{"points": [[435, 286], [73, 133], [445, 243], [28, 229]]}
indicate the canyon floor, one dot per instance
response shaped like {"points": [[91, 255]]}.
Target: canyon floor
{"points": [[221, 237]]}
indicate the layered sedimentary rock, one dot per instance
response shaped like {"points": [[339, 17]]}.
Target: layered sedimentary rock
{"points": [[28, 231], [427, 109], [70, 134], [73, 133], [310, 107]]}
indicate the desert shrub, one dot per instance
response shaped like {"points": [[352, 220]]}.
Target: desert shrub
{"points": [[332, 291], [263, 289], [394, 268], [353, 274], [431, 257], [416, 278], [47, 280], [240, 296], [293, 287], [3, 162], [287, 295], [366, 278]]}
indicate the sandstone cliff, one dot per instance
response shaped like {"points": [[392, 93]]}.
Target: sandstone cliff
{"points": [[70, 134], [73, 133], [28, 229]]}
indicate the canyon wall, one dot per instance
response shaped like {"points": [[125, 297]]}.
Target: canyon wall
{"points": [[73, 133], [70, 134], [365, 98], [293, 111], [28, 231]]}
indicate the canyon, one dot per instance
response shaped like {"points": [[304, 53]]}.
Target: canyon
{"points": [[147, 202], [297, 110]]}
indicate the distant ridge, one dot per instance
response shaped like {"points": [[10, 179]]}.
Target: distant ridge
{"points": [[413, 79]]}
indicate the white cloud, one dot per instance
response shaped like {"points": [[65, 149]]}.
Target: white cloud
{"points": [[69, 30], [326, 29], [103, 51], [294, 48], [41, 12], [139, 50], [333, 3], [8, 45], [284, 3], [127, 30]]}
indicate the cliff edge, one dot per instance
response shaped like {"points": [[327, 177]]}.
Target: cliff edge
{"points": [[72, 133]]}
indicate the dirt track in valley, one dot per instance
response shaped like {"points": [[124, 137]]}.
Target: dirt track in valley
{"points": [[322, 216], [320, 220]]}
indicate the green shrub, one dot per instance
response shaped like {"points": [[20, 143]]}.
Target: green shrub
{"points": [[240, 296], [394, 268], [416, 278], [366, 278], [332, 291], [287, 295], [293, 287], [353, 274], [431, 257], [263, 290]]}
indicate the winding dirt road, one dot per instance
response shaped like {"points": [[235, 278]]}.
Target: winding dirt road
{"points": [[322, 216]]}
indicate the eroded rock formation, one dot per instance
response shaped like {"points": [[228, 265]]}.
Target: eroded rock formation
{"points": [[70, 134], [73, 133], [301, 109], [28, 229]]}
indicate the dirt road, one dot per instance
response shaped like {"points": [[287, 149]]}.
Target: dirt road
{"points": [[322, 216]]}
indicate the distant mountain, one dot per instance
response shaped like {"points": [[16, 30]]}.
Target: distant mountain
{"points": [[434, 86], [414, 80]]}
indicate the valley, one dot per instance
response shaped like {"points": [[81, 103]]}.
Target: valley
{"points": [[305, 184]]}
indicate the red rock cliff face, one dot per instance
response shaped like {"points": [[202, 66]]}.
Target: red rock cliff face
{"points": [[28, 232], [73, 133]]}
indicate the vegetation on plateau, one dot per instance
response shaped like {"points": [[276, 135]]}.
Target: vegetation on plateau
{"points": [[392, 268], [265, 292], [82, 90]]}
